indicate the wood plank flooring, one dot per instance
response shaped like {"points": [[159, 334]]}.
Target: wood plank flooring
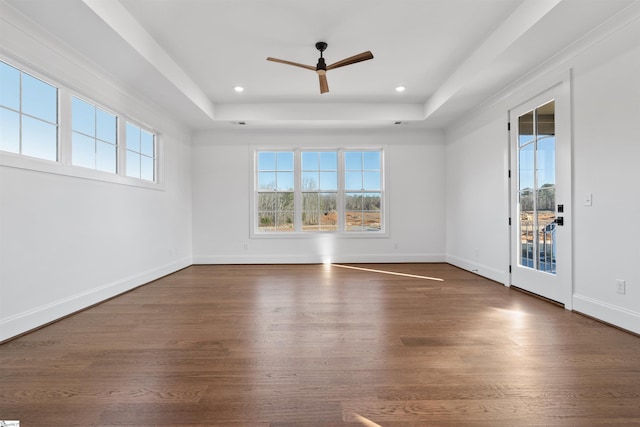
{"points": [[314, 345]]}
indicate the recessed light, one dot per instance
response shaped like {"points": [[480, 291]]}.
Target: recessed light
{"points": [[400, 89], [238, 88]]}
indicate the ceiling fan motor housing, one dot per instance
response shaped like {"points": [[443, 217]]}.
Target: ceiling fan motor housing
{"points": [[321, 46]]}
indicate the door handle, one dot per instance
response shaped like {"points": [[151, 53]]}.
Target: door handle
{"points": [[559, 220]]}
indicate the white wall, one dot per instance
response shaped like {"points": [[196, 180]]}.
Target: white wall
{"points": [[222, 170], [477, 218], [606, 152], [67, 242]]}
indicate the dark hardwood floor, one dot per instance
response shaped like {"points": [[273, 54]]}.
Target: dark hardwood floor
{"points": [[314, 345]]}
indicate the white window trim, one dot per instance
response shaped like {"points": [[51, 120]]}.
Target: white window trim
{"points": [[341, 233], [63, 165]]}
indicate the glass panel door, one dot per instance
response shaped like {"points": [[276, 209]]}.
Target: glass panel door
{"points": [[537, 188]]}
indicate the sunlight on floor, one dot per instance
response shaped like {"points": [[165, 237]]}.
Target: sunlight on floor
{"points": [[388, 272], [517, 318], [365, 421]]}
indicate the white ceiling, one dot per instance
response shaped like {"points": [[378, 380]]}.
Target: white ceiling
{"points": [[187, 55]]}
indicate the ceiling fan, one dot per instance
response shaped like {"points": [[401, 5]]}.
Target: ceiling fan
{"points": [[321, 68]]}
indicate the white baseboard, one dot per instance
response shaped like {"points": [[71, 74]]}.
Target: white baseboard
{"points": [[618, 316], [491, 273], [23, 322], [316, 259]]}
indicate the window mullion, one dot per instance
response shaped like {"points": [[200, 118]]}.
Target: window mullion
{"points": [[121, 148], [65, 133], [341, 192], [297, 190]]}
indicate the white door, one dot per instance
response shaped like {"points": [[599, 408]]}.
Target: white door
{"points": [[540, 145]]}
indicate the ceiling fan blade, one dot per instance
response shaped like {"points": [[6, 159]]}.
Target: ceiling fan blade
{"points": [[295, 64], [324, 85], [364, 56]]}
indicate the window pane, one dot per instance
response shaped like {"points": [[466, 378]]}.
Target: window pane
{"points": [[371, 201], [146, 144], [526, 167], [525, 128], [39, 139], [83, 117], [372, 160], [329, 161], [546, 161], [106, 126], [310, 160], [310, 202], [310, 221], [266, 161], [545, 120], [353, 221], [329, 181], [310, 181], [353, 201], [353, 160], [284, 202], [266, 201], [9, 130], [39, 99], [284, 221], [285, 161], [266, 180], [9, 86], [266, 221], [371, 220], [371, 180], [284, 181], [353, 180], [328, 202], [133, 138], [146, 168], [106, 157], [83, 152], [133, 164]]}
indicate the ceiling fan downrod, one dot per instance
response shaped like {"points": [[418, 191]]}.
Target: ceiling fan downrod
{"points": [[321, 66]]}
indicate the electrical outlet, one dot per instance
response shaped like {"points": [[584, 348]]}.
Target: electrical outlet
{"points": [[620, 286]]}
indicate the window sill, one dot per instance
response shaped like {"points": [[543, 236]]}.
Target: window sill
{"points": [[18, 161], [320, 234]]}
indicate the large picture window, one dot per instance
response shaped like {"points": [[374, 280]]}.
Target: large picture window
{"points": [[28, 114], [310, 191]]}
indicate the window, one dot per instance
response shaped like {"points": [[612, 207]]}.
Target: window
{"points": [[141, 153], [318, 191], [90, 141], [28, 114], [362, 191], [275, 191], [94, 136]]}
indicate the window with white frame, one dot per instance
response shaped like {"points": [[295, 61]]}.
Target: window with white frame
{"points": [[141, 153], [319, 186], [363, 197], [275, 178], [94, 137], [41, 121], [28, 114], [311, 190]]}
